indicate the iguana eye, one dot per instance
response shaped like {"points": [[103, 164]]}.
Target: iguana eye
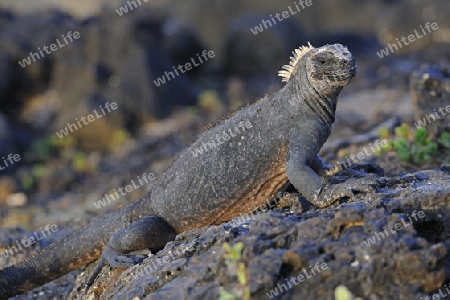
{"points": [[324, 57]]}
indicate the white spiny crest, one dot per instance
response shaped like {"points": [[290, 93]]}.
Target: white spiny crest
{"points": [[286, 73]]}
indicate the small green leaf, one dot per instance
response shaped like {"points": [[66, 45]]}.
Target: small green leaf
{"points": [[401, 144], [444, 140], [224, 295], [210, 101], [26, 180], [404, 155], [247, 294], [342, 293], [38, 171], [432, 148], [119, 137], [420, 136], [241, 274], [402, 131], [79, 162], [383, 133], [237, 248], [227, 247]]}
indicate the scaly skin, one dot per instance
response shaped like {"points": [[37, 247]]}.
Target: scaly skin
{"points": [[277, 139]]}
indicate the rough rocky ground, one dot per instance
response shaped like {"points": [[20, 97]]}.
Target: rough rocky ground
{"points": [[410, 261], [407, 264]]}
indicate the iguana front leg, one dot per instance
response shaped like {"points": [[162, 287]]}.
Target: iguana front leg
{"points": [[304, 175]]}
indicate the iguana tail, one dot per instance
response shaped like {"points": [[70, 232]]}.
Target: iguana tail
{"points": [[70, 253]]}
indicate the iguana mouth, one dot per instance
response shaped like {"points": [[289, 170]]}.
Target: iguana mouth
{"points": [[348, 74], [351, 65]]}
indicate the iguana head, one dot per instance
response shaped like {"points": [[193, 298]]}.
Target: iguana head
{"points": [[328, 67], [317, 75]]}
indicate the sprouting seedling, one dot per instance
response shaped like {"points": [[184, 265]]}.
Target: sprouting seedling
{"points": [[232, 257]]}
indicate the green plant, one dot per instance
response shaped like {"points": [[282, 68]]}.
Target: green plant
{"points": [[444, 140], [38, 171], [26, 180], [232, 257], [47, 147], [43, 151], [119, 137], [414, 145], [342, 293], [40, 151], [80, 162], [209, 100], [384, 133], [62, 143]]}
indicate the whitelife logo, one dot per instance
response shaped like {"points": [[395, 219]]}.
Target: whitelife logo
{"points": [[108, 198], [27, 242], [434, 117], [90, 118], [53, 47], [124, 9], [397, 226], [265, 24], [219, 137], [11, 158], [297, 280], [411, 38], [187, 67]]}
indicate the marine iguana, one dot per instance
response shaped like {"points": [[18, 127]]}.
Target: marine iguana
{"points": [[235, 177]]}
